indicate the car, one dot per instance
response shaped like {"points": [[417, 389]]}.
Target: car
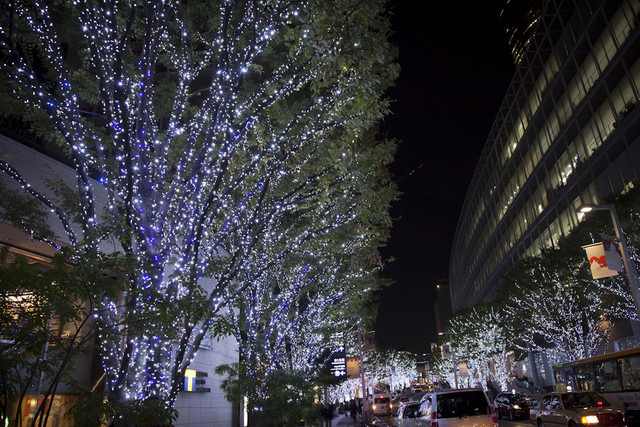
{"points": [[381, 404], [408, 412], [398, 401], [417, 388], [417, 397], [404, 399], [395, 404], [513, 405], [574, 409], [456, 408]]}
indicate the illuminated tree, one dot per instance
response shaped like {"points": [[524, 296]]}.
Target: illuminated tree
{"points": [[216, 129], [293, 311], [558, 309], [296, 316], [480, 339], [443, 367], [399, 368]]}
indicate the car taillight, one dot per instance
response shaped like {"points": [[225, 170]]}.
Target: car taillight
{"points": [[434, 418]]}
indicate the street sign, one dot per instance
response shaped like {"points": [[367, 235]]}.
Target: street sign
{"points": [[338, 363]]}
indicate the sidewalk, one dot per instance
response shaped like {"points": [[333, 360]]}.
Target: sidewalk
{"points": [[346, 421]]}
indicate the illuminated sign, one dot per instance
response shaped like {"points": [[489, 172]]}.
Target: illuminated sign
{"points": [[353, 367], [339, 364], [193, 379]]}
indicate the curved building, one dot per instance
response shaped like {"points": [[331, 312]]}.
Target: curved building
{"points": [[567, 133]]}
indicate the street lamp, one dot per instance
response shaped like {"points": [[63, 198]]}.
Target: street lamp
{"points": [[453, 357], [629, 266]]}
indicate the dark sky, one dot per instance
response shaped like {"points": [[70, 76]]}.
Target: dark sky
{"points": [[455, 69]]}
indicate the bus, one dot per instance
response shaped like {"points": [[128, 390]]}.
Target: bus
{"points": [[614, 375]]}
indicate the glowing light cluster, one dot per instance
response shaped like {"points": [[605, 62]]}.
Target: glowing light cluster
{"points": [[227, 145]]}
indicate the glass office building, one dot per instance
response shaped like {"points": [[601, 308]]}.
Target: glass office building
{"points": [[567, 133]]}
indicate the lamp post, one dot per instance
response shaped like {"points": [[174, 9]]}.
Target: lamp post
{"points": [[629, 266], [365, 402], [453, 357]]}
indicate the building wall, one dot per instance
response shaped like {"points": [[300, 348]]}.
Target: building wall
{"points": [[195, 409], [567, 133], [209, 409]]}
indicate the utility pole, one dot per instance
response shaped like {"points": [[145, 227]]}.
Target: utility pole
{"points": [[365, 402]]}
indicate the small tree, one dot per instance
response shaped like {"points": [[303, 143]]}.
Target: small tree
{"points": [[288, 398], [47, 314]]}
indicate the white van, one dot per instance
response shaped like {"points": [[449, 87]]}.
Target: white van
{"points": [[381, 404], [456, 408]]}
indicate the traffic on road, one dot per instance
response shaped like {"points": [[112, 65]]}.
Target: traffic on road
{"points": [[474, 407]]}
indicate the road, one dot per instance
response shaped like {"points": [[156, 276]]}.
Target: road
{"points": [[517, 423], [501, 422]]}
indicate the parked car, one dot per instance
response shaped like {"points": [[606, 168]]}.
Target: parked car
{"points": [[513, 405], [456, 408], [381, 404], [575, 408], [408, 412]]}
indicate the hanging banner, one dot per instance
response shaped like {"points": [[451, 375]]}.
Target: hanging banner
{"points": [[370, 341], [464, 369], [614, 262], [598, 261], [446, 351], [353, 368]]}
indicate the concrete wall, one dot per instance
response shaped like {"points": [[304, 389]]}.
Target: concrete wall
{"points": [[209, 409]]}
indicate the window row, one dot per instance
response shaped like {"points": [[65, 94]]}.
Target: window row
{"points": [[603, 51]]}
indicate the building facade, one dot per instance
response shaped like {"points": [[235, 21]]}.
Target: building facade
{"points": [[567, 133], [519, 18]]}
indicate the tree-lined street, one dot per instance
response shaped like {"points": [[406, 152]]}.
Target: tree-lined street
{"points": [[198, 201]]}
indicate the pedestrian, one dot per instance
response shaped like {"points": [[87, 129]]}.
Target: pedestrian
{"points": [[327, 414], [353, 409]]}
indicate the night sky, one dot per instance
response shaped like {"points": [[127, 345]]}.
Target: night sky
{"points": [[455, 69]]}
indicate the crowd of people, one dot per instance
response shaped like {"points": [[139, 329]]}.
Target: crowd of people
{"points": [[352, 408]]}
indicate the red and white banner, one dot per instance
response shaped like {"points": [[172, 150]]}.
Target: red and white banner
{"points": [[370, 341], [598, 261]]}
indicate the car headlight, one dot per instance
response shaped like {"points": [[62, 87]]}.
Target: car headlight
{"points": [[516, 406], [373, 407], [590, 419]]}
